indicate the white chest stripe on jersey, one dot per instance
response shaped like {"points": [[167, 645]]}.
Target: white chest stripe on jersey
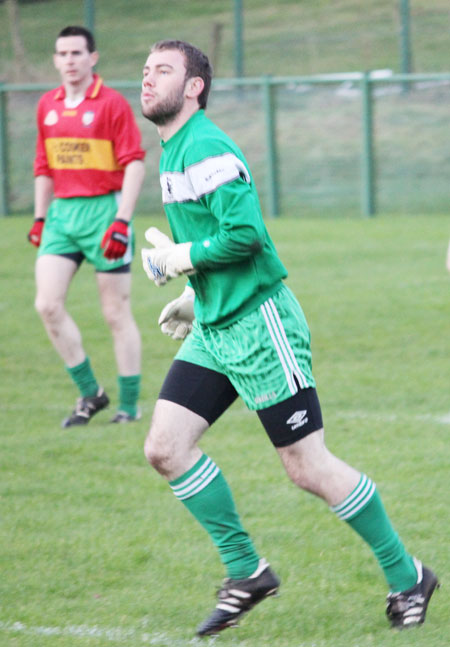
{"points": [[202, 178]]}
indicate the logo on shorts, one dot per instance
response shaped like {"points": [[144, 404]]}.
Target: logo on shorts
{"points": [[298, 419], [265, 397]]}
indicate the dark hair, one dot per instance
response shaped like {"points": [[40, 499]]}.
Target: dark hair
{"points": [[75, 30], [197, 64]]}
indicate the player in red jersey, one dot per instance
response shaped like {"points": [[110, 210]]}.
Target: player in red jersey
{"points": [[88, 174]]}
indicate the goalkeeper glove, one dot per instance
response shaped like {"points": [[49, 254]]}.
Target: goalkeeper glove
{"points": [[115, 240], [177, 316], [35, 234], [166, 260]]}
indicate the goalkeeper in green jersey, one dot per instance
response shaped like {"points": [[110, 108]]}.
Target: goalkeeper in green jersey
{"points": [[247, 337]]}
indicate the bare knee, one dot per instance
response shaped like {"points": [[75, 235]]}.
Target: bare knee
{"points": [[50, 311], [307, 463], [303, 474], [117, 313], [312, 467], [112, 317], [157, 455], [171, 445], [149, 452]]}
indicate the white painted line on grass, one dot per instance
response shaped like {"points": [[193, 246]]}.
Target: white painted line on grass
{"points": [[239, 410], [440, 418], [111, 634]]}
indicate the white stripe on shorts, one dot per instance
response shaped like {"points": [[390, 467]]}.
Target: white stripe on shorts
{"points": [[284, 350]]}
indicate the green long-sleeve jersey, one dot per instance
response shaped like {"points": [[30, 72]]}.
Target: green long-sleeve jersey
{"points": [[210, 199]]}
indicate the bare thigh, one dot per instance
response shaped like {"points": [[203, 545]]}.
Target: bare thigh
{"points": [[53, 276], [171, 444]]}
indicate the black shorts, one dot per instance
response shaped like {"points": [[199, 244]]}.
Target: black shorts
{"points": [[78, 258], [209, 393]]}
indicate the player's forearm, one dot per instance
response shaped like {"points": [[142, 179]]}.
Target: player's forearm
{"points": [[43, 194], [131, 187], [241, 235], [225, 248]]}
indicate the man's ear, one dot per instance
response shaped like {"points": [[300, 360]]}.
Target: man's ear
{"points": [[194, 87], [94, 58]]}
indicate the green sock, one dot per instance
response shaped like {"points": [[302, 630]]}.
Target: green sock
{"points": [[129, 389], [84, 378], [205, 493], [364, 511]]}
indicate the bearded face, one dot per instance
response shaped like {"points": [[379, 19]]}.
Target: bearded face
{"points": [[163, 111]]}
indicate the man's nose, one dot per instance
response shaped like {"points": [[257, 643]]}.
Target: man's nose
{"points": [[147, 80]]}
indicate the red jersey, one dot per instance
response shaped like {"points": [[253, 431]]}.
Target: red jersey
{"points": [[85, 149]]}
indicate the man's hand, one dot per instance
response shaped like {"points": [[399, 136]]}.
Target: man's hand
{"points": [[177, 316], [35, 233], [115, 240], [166, 260]]}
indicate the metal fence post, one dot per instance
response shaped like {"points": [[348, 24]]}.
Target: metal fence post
{"points": [[238, 39], [89, 15], [367, 161], [405, 40], [4, 186], [272, 157]]}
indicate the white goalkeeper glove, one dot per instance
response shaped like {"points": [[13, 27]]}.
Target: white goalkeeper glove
{"points": [[166, 260], [177, 316]]}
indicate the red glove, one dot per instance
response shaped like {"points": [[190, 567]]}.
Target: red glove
{"points": [[115, 240], [35, 234]]}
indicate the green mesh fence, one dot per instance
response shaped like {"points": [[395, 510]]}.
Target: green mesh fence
{"points": [[320, 127], [319, 152]]}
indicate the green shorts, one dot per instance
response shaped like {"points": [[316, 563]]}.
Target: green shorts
{"points": [[266, 355], [77, 225]]}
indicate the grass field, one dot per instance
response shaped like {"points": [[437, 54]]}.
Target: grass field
{"points": [[94, 549]]}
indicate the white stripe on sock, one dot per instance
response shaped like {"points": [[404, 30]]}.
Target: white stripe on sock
{"points": [[362, 484], [193, 476], [201, 484], [357, 500], [351, 513], [197, 481]]}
